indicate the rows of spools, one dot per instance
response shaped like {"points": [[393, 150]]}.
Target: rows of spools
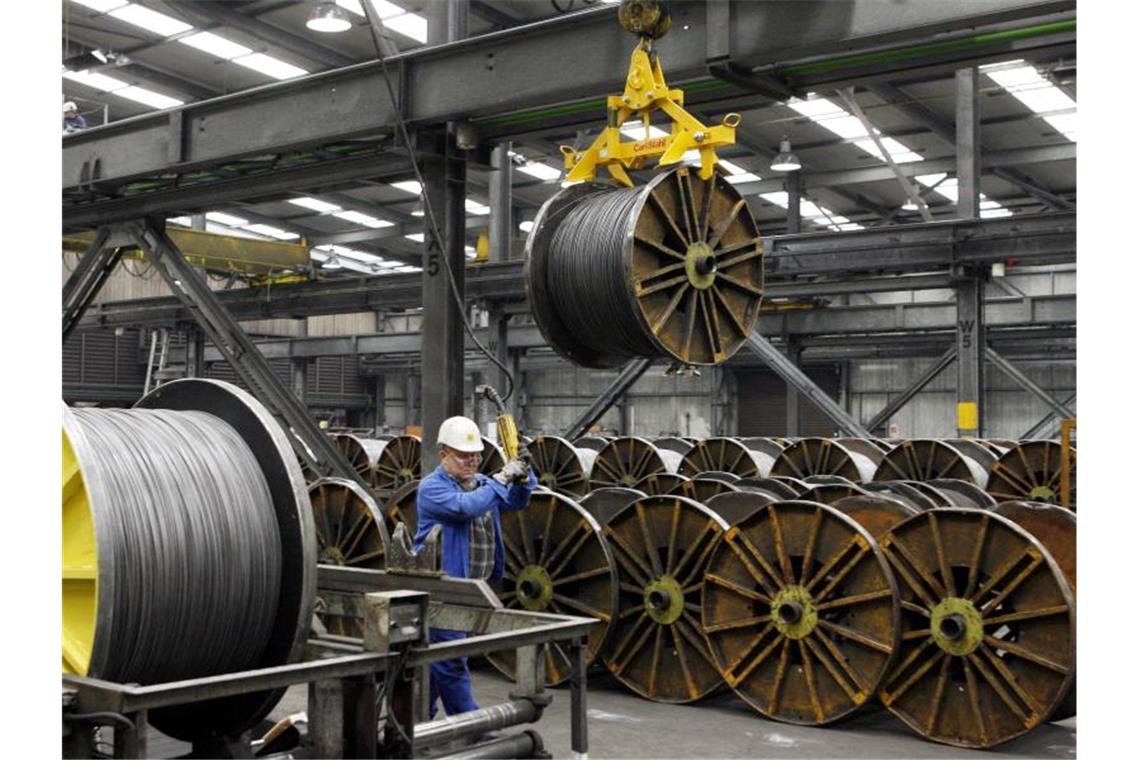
{"points": [[816, 578]]}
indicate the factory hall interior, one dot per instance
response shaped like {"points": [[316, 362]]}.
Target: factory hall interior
{"points": [[568, 378]]}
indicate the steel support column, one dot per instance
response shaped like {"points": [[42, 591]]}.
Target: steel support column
{"points": [[923, 380], [500, 228], [629, 375], [441, 383], [189, 285], [793, 375], [969, 142], [1019, 377], [970, 347]]}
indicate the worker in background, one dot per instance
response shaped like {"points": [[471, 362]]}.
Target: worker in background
{"points": [[72, 121], [467, 504]]}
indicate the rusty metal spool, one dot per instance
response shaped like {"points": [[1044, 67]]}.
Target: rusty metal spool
{"points": [[604, 503], [830, 480], [872, 448], [930, 459], [351, 532], [672, 443], [660, 482], [702, 488], [361, 453], [723, 477], [1056, 528], [998, 445], [907, 491], [829, 493], [557, 562], [397, 463], [560, 466], [672, 268], [725, 455], [988, 628], [801, 612], [662, 545], [877, 513], [734, 506], [1031, 471], [493, 458], [963, 493], [766, 444], [824, 456], [401, 508], [778, 487], [595, 442], [627, 460]]}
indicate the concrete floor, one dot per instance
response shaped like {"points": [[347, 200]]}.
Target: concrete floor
{"points": [[623, 725]]}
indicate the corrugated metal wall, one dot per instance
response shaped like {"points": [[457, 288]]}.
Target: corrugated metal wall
{"points": [[763, 408]]}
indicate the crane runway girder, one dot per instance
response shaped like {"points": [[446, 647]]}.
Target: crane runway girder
{"points": [[988, 628], [801, 612]]}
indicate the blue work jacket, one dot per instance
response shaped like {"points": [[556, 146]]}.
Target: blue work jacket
{"points": [[441, 500]]}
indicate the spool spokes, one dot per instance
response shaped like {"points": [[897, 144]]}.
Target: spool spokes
{"points": [[697, 267]]}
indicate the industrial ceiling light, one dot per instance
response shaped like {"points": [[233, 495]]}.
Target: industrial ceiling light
{"points": [[785, 160], [328, 17]]}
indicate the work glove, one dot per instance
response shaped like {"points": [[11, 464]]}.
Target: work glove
{"points": [[516, 471]]}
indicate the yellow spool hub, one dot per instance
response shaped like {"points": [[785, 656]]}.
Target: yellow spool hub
{"points": [[80, 567]]}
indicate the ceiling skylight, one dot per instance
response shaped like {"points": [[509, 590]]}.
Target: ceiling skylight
{"points": [[270, 66], [538, 170], [410, 25], [227, 219], [839, 122], [1024, 82], [208, 42], [101, 5], [104, 83], [315, 204], [526, 226], [357, 217], [274, 232], [478, 209], [408, 186], [152, 21], [383, 9], [813, 213], [736, 174], [416, 236]]}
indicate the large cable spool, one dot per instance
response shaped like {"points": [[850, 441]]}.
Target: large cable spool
{"points": [[351, 532], [670, 269], [734, 506], [929, 459], [557, 562], [196, 482], [778, 487], [702, 488], [560, 466], [964, 493], [1031, 471], [921, 496], [673, 443], [627, 460], [595, 442], [660, 482], [878, 513], [988, 628], [604, 503], [401, 508], [826, 456], [397, 463], [361, 453], [662, 545], [829, 493], [801, 612], [726, 455], [493, 458]]}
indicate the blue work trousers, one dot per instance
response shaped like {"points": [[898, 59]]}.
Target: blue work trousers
{"points": [[450, 679]]}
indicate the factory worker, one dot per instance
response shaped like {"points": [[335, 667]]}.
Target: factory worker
{"points": [[467, 505]]}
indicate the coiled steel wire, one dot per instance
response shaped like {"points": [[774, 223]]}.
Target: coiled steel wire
{"points": [[196, 552], [587, 277]]}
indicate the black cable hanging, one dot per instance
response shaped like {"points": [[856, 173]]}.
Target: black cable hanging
{"points": [[586, 276], [196, 552]]}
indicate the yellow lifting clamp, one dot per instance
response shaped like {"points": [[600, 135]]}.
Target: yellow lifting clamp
{"points": [[646, 92]]}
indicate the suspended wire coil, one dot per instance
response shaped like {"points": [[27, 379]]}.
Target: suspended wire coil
{"points": [[672, 269]]}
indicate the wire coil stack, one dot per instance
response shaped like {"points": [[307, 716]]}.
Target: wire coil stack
{"points": [[188, 543], [672, 269]]}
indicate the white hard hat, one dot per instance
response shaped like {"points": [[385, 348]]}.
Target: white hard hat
{"points": [[461, 434], [69, 106]]}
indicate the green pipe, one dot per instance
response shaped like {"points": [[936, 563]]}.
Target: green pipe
{"points": [[831, 64]]}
